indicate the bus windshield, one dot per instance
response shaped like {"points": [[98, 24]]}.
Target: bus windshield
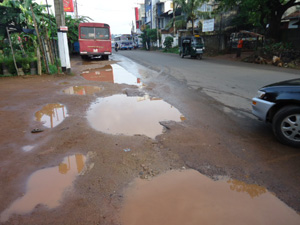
{"points": [[94, 33]]}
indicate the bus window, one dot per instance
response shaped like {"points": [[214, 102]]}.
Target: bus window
{"points": [[102, 33], [87, 33]]}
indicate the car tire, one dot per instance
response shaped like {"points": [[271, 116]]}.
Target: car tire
{"points": [[286, 125]]}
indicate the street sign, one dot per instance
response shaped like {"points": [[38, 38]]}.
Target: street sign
{"points": [[208, 25]]}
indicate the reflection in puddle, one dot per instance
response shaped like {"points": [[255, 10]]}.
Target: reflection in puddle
{"points": [[104, 74], [189, 197], [82, 90], [51, 115], [113, 74], [252, 190], [120, 114], [28, 148], [46, 187]]}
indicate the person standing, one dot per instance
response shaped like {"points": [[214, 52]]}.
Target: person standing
{"points": [[239, 48], [116, 46]]}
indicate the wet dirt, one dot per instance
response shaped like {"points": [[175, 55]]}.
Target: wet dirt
{"points": [[119, 114], [180, 196], [206, 141]]}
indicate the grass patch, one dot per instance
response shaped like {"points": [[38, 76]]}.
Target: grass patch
{"points": [[172, 50]]}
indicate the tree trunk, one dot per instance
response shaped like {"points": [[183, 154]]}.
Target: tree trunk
{"points": [[278, 9], [39, 40], [39, 62], [273, 30], [193, 27]]}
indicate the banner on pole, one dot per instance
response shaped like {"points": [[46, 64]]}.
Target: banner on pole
{"points": [[68, 5]]}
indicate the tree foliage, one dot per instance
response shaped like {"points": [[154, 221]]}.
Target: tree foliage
{"points": [[259, 13], [149, 35], [190, 9], [17, 16], [168, 42]]}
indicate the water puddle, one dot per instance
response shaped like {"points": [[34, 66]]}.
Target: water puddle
{"points": [[189, 197], [119, 114], [51, 115], [113, 74], [46, 187], [82, 90]]}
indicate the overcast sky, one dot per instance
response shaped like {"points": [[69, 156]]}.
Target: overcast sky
{"points": [[119, 14]]}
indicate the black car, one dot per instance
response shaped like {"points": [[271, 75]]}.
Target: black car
{"points": [[279, 104]]}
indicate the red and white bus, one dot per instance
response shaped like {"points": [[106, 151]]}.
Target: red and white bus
{"points": [[94, 40]]}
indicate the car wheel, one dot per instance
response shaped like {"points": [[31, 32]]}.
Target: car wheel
{"points": [[286, 125]]}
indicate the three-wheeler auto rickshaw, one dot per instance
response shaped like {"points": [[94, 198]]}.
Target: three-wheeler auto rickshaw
{"points": [[192, 46]]}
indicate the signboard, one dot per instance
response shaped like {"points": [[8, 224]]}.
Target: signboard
{"points": [[208, 25], [63, 28], [137, 18], [68, 5]]}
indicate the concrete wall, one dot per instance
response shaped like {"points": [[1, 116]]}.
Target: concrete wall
{"points": [[215, 42]]}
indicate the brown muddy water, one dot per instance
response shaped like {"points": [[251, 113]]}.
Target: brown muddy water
{"points": [[82, 90], [46, 187], [51, 115], [119, 114], [112, 74], [188, 197]]}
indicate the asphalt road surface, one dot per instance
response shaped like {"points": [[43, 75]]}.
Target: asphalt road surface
{"points": [[232, 83]]}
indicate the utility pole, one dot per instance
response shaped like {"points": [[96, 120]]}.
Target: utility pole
{"points": [[62, 36], [157, 34], [174, 26], [76, 9]]}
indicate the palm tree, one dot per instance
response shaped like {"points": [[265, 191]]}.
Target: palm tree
{"points": [[190, 9]]}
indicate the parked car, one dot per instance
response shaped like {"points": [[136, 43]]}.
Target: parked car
{"points": [[279, 104]]}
